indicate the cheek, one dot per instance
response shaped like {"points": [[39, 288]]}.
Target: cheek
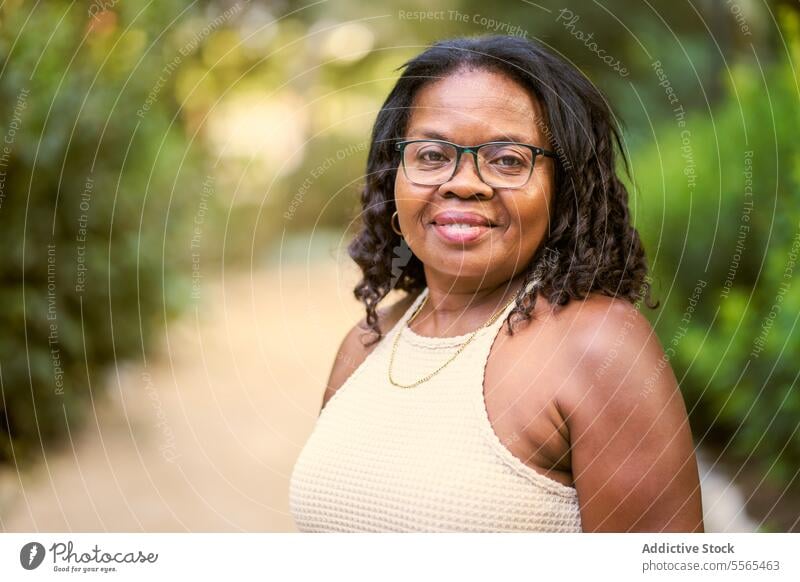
{"points": [[529, 212], [534, 209], [409, 199], [403, 191], [401, 197], [529, 222]]}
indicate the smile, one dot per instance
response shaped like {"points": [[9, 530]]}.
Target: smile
{"points": [[460, 232]]}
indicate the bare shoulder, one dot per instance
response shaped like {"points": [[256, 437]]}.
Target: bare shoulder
{"points": [[560, 353], [632, 450], [584, 333], [353, 349], [610, 343]]}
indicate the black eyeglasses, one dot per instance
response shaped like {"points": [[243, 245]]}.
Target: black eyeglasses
{"points": [[500, 164]]}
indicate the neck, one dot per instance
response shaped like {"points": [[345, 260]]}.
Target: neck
{"points": [[455, 308]]}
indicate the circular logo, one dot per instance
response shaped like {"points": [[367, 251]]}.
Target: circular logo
{"points": [[31, 555]]}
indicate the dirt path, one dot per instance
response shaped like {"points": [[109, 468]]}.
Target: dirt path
{"points": [[204, 437]]}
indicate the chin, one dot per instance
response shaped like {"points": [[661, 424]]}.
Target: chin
{"points": [[477, 270]]}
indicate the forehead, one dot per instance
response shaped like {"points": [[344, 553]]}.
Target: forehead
{"points": [[475, 105]]}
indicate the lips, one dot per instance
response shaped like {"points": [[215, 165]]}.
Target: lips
{"points": [[465, 218], [461, 227]]}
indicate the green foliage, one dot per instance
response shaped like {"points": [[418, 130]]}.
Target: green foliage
{"points": [[91, 196], [720, 205]]}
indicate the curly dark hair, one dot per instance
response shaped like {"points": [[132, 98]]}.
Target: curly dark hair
{"points": [[595, 246]]}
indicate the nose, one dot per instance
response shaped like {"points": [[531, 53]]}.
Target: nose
{"points": [[466, 182]]}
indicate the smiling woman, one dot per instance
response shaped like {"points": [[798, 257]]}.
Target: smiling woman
{"points": [[442, 423]]}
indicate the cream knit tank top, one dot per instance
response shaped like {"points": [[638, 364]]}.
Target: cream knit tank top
{"points": [[383, 458]]}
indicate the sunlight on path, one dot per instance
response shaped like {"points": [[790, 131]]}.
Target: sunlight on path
{"points": [[203, 438]]}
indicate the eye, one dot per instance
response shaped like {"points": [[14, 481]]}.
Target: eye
{"points": [[508, 161], [431, 155]]}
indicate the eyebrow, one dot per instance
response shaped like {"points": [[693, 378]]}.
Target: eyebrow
{"points": [[433, 134]]}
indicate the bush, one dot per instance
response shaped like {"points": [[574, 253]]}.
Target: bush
{"points": [[90, 196], [721, 221]]}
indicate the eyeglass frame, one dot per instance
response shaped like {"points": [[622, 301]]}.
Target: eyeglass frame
{"points": [[537, 151]]}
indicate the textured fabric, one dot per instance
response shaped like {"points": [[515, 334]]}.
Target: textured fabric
{"points": [[383, 458]]}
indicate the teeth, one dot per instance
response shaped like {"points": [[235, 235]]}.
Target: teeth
{"points": [[460, 226]]}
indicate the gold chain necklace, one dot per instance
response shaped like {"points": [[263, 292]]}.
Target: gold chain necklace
{"points": [[461, 347]]}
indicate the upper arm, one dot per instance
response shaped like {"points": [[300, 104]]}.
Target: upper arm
{"points": [[350, 355], [633, 457]]}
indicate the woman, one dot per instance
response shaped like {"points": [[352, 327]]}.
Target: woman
{"points": [[492, 200]]}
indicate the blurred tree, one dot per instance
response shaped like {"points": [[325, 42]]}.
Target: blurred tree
{"points": [[97, 188], [722, 221]]}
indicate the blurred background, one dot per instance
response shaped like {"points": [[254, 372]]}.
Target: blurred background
{"points": [[179, 181]]}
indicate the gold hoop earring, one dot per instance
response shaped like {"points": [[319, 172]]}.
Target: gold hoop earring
{"points": [[396, 230]]}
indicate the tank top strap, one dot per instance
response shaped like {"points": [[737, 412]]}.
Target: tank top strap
{"points": [[489, 333], [491, 330], [483, 343], [401, 323]]}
